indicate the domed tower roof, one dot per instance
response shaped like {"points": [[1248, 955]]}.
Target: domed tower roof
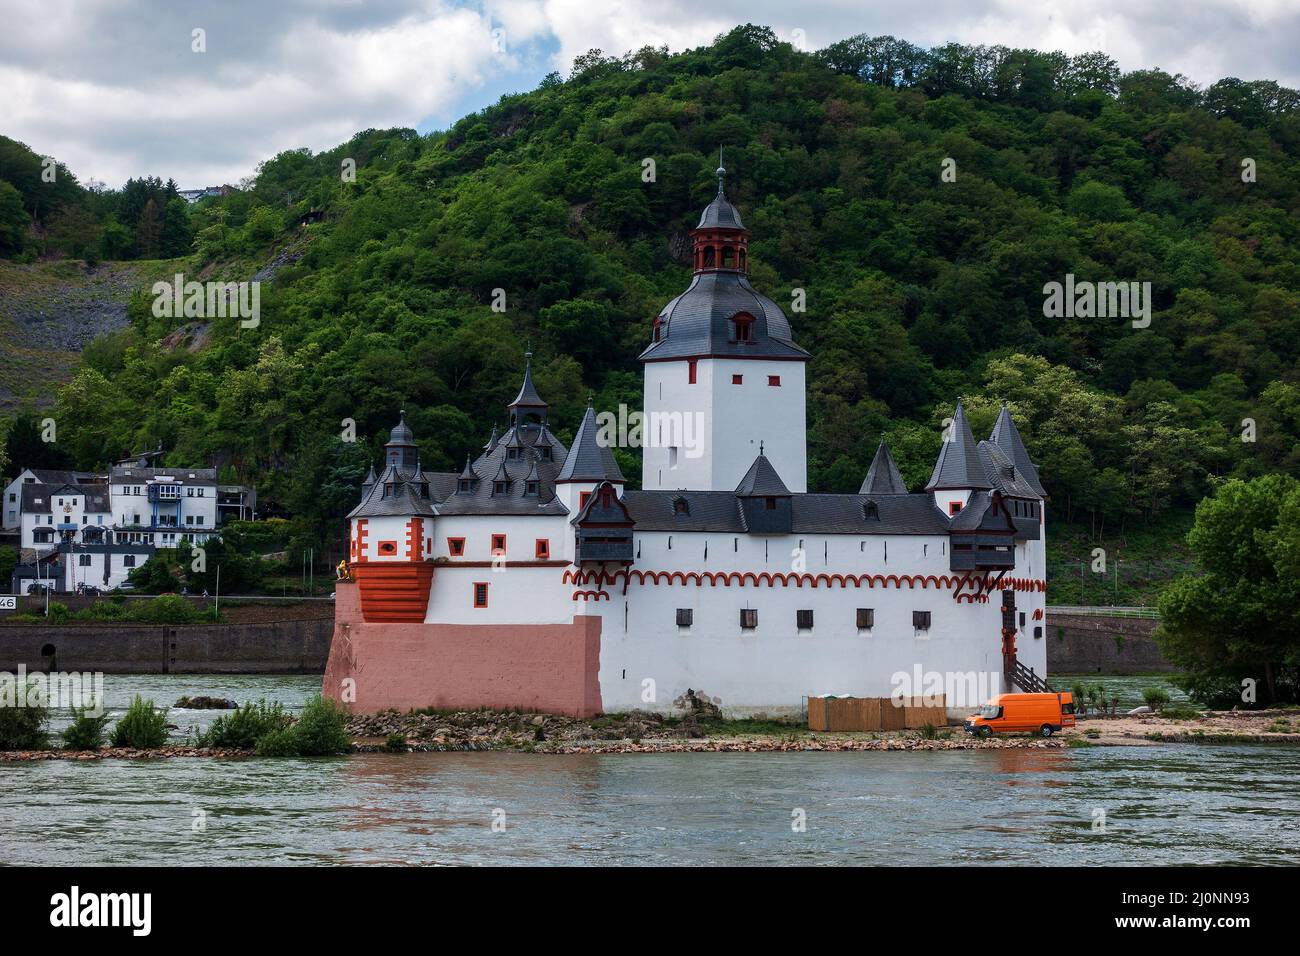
{"points": [[720, 214], [401, 433], [527, 402], [721, 314]]}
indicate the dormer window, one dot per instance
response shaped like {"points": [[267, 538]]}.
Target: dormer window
{"points": [[500, 488], [544, 451], [388, 489], [681, 506], [512, 453], [742, 328], [658, 328], [464, 486], [532, 489], [871, 511]]}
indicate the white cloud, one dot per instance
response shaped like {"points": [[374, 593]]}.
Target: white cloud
{"points": [[114, 90]]}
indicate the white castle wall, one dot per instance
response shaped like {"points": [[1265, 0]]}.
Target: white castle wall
{"points": [[734, 419]]}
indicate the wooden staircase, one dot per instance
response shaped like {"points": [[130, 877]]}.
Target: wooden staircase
{"points": [[1024, 677]]}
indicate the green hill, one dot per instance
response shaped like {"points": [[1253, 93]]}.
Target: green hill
{"points": [[918, 289]]}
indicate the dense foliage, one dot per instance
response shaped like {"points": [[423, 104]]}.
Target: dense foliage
{"points": [[23, 716], [44, 211], [918, 289], [1237, 617]]}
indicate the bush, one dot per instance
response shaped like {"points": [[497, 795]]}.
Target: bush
{"points": [[58, 613], [141, 727], [22, 723], [279, 743], [169, 609], [86, 731], [927, 731], [396, 743], [1155, 697], [246, 726], [320, 730]]}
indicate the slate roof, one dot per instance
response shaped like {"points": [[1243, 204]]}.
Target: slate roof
{"points": [[96, 497], [46, 476], [959, 464], [401, 433], [588, 460], [1006, 477], [762, 481], [200, 476], [719, 511], [1007, 437], [696, 322], [528, 397], [883, 477]]}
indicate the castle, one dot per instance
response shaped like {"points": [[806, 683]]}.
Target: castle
{"points": [[532, 579]]}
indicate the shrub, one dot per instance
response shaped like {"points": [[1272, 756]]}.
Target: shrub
{"points": [[168, 609], [86, 732], [1155, 697], [58, 613], [246, 726], [320, 730], [927, 731], [396, 743], [279, 743], [22, 722], [141, 727]]}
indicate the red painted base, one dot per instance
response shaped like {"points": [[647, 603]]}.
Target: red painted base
{"points": [[394, 591], [552, 668]]}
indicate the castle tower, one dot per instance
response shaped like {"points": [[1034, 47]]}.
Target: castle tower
{"points": [[722, 373], [959, 470], [400, 448]]}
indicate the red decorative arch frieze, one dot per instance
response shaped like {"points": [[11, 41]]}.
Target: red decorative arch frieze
{"points": [[591, 595], [969, 587]]}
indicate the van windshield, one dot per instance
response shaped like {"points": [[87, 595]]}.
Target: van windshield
{"points": [[990, 711]]}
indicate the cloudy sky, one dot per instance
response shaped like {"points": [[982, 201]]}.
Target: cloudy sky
{"points": [[116, 89]]}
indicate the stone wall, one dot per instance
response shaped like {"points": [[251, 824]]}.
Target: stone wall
{"points": [[276, 647], [1084, 644]]}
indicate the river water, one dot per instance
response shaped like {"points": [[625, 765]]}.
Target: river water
{"points": [[1163, 804]]}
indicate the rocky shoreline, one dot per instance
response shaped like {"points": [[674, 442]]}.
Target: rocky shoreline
{"points": [[702, 731]]}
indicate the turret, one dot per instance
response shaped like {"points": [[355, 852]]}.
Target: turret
{"points": [[958, 470]]}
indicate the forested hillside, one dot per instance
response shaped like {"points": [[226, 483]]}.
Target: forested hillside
{"points": [[918, 289]]}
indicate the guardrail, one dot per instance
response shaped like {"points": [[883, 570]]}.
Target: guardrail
{"points": [[1145, 613]]}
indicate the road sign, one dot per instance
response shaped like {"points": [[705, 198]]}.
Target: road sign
{"points": [[8, 602]]}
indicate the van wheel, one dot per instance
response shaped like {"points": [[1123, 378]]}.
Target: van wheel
{"points": [[1046, 730], [986, 732]]}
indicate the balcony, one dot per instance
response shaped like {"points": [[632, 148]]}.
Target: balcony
{"points": [[165, 493], [610, 544]]}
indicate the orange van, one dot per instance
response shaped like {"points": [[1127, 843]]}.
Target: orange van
{"points": [[1023, 713]]}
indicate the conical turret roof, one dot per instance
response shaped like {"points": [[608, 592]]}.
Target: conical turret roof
{"points": [[883, 477], [959, 465]]}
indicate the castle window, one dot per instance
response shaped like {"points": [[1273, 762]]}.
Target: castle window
{"points": [[690, 372], [542, 549], [710, 257], [512, 453], [480, 594], [388, 548], [681, 506], [532, 489], [657, 329], [871, 511], [685, 616], [464, 486], [1038, 632], [921, 620], [774, 381], [83, 560], [737, 379], [544, 451], [803, 620], [500, 487], [866, 618], [748, 618], [742, 327], [456, 547], [769, 504], [582, 499], [728, 257], [742, 260], [498, 544], [953, 507]]}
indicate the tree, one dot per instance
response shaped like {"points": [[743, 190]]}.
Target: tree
{"points": [[1237, 618], [14, 221]]}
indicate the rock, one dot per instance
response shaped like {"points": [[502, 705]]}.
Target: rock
{"points": [[206, 703]]}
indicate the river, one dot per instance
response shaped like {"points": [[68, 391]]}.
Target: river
{"points": [[1162, 804]]}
